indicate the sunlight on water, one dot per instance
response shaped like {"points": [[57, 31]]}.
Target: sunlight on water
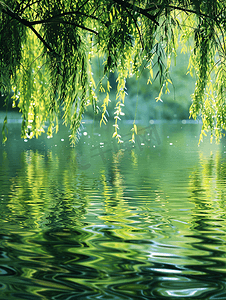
{"points": [[112, 222]]}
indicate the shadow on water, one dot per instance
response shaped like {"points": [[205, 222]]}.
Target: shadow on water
{"points": [[109, 221]]}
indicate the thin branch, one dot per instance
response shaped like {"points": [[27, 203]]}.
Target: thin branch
{"points": [[187, 10], [138, 29], [13, 15], [29, 24], [137, 9], [66, 22], [191, 11], [83, 4]]}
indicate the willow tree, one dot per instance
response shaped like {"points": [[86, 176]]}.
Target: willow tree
{"points": [[47, 49]]}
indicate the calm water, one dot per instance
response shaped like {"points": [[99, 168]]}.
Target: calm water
{"points": [[109, 221]]}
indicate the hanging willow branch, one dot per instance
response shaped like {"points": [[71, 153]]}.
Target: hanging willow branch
{"points": [[49, 49]]}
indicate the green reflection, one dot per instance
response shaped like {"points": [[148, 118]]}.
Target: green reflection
{"points": [[142, 222], [46, 190], [208, 214]]}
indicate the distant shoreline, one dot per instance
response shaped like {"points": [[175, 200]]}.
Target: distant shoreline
{"points": [[16, 118]]}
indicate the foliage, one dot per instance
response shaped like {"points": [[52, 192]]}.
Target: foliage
{"points": [[47, 50]]}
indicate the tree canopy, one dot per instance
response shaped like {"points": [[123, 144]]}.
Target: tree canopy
{"points": [[48, 50]]}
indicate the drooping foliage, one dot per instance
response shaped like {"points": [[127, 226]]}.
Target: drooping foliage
{"points": [[48, 49]]}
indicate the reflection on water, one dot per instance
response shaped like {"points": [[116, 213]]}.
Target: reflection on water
{"points": [[108, 221]]}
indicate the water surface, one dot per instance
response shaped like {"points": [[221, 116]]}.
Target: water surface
{"points": [[104, 220]]}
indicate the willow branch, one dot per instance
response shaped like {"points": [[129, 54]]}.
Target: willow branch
{"points": [[66, 22], [137, 27], [186, 10], [13, 15], [30, 25], [135, 8]]}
